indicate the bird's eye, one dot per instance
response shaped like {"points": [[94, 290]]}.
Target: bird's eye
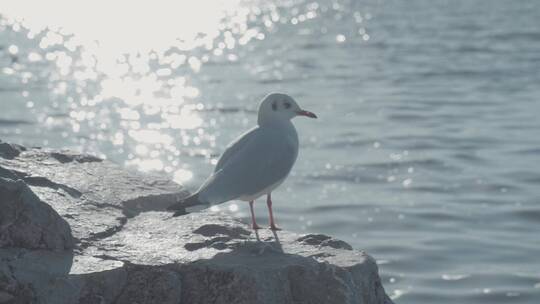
{"points": [[274, 106], [287, 105]]}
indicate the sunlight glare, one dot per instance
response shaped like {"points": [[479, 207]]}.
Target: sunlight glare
{"points": [[182, 175]]}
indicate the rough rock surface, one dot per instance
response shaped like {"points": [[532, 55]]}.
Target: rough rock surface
{"points": [[129, 250], [10, 151], [27, 222], [96, 197]]}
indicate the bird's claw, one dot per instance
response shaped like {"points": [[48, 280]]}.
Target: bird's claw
{"points": [[255, 227]]}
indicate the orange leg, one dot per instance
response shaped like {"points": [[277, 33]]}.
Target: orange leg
{"points": [[253, 223], [269, 204]]}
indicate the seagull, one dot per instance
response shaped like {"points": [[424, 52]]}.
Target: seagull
{"points": [[255, 163]]}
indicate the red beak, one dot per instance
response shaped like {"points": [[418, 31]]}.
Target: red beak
{"points": [[306, 113]]}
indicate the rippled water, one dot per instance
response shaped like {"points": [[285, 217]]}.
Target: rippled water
{"points": [[426, 153]]}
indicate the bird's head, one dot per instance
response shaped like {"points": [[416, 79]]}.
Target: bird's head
{"points": [[278, 106]]}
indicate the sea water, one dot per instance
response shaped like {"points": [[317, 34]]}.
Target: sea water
{"points": [[426, 152]]}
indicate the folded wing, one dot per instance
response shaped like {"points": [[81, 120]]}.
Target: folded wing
{"points": [[259, 159]]}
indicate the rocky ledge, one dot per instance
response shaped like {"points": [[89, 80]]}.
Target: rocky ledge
{"points": [[78, 229]]}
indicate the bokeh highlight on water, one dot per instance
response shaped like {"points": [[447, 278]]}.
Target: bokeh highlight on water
{"points": [[426, 153]]}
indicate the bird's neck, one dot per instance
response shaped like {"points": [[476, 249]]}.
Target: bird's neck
{"points": [[283, 127]]}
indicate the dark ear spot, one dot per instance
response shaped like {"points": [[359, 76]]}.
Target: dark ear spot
{"points": [[274, 106], [287, 105]]}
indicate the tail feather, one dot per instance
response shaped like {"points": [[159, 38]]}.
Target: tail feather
{"points": [[180, 206]]}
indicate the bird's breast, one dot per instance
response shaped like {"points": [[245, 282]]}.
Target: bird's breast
{"points": [[288, 133]]}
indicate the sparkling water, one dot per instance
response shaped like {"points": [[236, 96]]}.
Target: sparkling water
{"points": [[426, 152]]}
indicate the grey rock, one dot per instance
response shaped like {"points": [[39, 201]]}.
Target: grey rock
{"points": [[95, 196], [323, 240], [11, 290], [27, 222], [67, 156], [149, 285], [130, 250], [10, 151], [228, 263], [29, 274]]}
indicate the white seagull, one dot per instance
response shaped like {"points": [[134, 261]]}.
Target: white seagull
{"points": [[255, 163]]}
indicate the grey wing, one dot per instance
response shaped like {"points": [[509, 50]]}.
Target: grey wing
{"points": [[262, 161], [234, 147]]}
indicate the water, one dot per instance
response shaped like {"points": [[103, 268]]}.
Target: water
{"points": [[426, 152]]}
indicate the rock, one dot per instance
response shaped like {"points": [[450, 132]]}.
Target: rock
{"points": [[95, 196], [70, 156], [10, 151], [224, 262], [323, 240], [12, 291], [130, 250], [27, 222], [147, 284]]}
